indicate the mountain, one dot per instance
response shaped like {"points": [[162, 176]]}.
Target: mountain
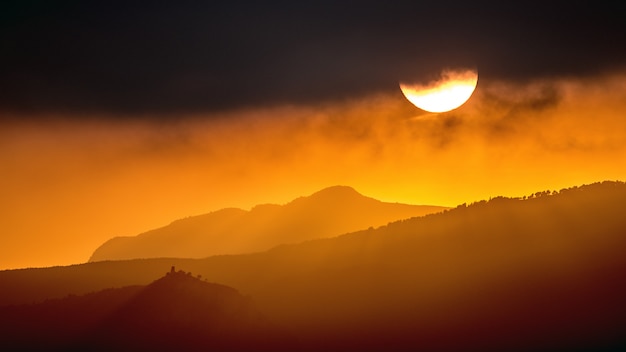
{"points": [[330, 212], [540, 273], [175, 312]]}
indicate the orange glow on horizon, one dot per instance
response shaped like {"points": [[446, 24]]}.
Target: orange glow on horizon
{"points": [[68, 186]]}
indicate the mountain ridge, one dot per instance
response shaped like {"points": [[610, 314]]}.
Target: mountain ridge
{"points": [[541, 273], [329, 212]]}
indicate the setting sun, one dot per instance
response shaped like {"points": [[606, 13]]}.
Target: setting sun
{"points": [[449, 92], [247, 176]]}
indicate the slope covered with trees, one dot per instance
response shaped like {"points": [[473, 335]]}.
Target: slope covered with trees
{"points": [[546, 272]]}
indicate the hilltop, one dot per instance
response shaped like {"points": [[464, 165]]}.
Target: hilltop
{"points": [[176, 312], [330, 212], [542, 273]]}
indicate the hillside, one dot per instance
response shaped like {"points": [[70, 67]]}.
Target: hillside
{"points": [[175, 312], [542, 273], [330, 212]]}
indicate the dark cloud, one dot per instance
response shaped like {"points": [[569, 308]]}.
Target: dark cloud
{"points": [[183, 56]]}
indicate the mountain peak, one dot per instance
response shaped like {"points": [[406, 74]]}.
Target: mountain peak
{"points": [[336, 195], [337, 192], [329, 212], [337, 188]]}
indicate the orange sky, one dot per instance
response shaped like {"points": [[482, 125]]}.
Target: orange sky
{"points": [[67, 186]]}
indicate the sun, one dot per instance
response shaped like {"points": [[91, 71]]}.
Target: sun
{"points": [[450, 91]]}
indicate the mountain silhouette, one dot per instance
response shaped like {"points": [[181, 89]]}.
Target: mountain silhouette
{"points": [[541, 273], [330, 212], [175, 312]]}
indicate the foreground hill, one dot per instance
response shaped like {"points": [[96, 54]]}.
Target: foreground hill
{"points": [[330, 212], [545, 273], [176, 312]]}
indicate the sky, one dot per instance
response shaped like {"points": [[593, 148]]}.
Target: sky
{"points": [[120, 117]]}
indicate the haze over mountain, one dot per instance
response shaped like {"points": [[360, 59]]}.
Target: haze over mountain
{"points": [[541, 273], [329, 212]]}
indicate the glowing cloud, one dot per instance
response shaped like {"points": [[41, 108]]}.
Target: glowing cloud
{"points": [[69, 185]]}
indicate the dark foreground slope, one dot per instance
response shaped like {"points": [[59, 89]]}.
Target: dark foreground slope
{"points": [[543, 274], [176, 312], [330, 212]]}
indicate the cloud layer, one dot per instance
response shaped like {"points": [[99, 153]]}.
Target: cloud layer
{"points": [[83, 179], [127, 58]]}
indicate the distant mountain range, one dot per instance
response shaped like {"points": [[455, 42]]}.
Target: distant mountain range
{"points": [[330, 212], [539, 273]]}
